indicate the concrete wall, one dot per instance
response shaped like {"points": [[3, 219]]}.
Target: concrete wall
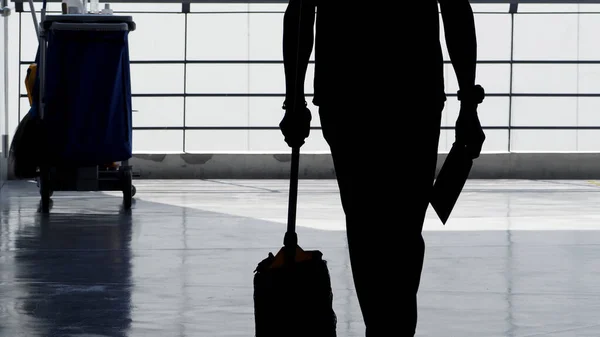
{"points": [[320, 166]]}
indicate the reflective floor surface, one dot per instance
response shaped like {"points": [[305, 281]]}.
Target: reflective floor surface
{"points": [[518, 259]]}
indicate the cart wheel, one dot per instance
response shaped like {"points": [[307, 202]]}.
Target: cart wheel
{"points": [[38, 185], [128, 189], [133, 191], [45, 190]]}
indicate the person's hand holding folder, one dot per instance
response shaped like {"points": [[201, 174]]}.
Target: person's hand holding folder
{"points": [[469, 139], [469, 132]]}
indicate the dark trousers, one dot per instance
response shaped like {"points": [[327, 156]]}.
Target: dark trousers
{"points": [[385, 163]]}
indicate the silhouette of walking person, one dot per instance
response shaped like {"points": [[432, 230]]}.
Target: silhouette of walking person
{"points": [[379, 86]]}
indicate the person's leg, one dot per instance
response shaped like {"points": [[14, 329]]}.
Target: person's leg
{"points": [[385, 208], [337, 134], [340, 138]]}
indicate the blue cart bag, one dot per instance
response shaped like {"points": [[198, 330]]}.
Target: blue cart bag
{"points": [[88, 115]]}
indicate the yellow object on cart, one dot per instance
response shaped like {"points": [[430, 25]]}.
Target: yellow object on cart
{"points": [[30, 81]]}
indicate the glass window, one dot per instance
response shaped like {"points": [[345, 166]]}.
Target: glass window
{"points": [[153, 41], [217, 79], [157, 78], [588, 44], [217, 36], [266, 36], [588, 78], [545, 78], [588, 111], [216, 111], [157, 111], [549, 111], [544, 140], [493, 36], [546, 36], [588, 140], [157, 141], [216, 141]]}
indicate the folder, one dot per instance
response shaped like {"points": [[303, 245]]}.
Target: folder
{"points": [[450, 181]]}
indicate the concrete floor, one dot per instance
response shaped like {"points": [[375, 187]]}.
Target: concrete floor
{"points": [[518, 259]]}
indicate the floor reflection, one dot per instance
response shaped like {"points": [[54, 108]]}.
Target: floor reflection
{"points": [[75, 274]]}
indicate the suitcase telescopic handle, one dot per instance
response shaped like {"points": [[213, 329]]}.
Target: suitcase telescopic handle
{"points": [[291, 238]]}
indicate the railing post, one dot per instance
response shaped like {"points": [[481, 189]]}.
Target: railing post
{"points": [[5, 11], [186, 9], [512, 11]]}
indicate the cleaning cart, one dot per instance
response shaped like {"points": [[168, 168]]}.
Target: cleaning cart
{"points": [[84, 104]]}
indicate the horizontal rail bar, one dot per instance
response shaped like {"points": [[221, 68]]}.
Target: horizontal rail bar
{"points": [[285, 1], [265, 128], [574, 95], [513, 7], [312, 62]]}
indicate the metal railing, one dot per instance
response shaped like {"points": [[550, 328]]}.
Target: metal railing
{"points": [[512, 10]]}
